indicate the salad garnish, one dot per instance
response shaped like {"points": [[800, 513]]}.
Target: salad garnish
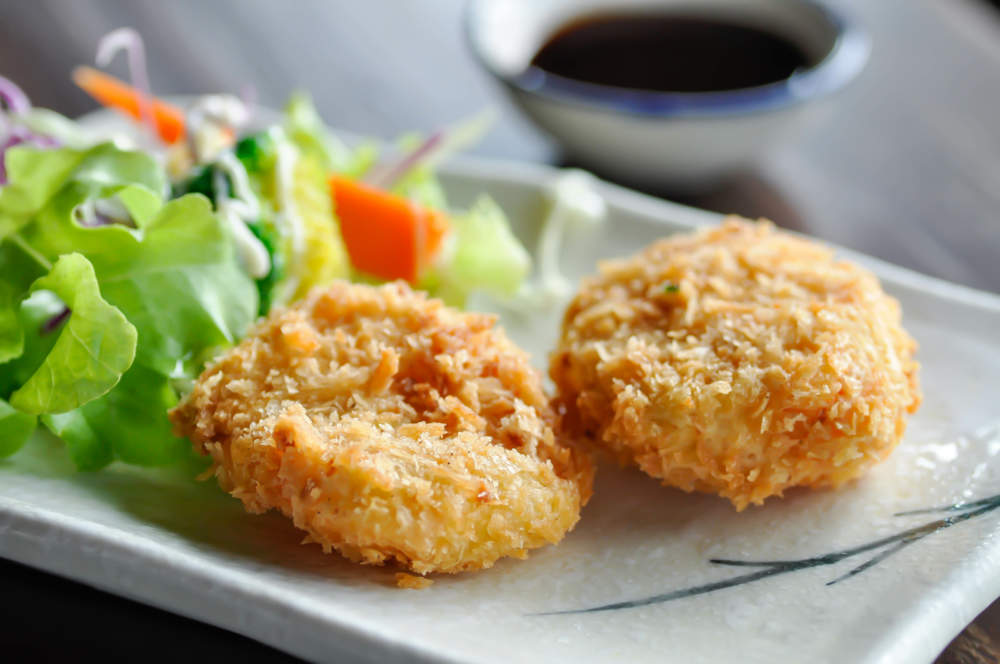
{"points": [[128, 41], [130, 259], [431, 151], [574, 205]]}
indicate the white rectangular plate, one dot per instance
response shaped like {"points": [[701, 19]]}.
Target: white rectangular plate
{"points": [[642, 552]]}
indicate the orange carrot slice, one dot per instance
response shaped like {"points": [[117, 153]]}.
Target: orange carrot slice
{"points": [[116, 94], [386, 235]]}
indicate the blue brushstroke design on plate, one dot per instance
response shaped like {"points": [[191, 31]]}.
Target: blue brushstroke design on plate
{"points": [[886, 547]]}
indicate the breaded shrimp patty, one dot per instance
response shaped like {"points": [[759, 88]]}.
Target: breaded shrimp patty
{"points": [[739, 361], [389, 426]]}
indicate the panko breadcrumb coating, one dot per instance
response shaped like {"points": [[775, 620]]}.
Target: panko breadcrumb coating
{"points": [[737, 360], [389, 426]]}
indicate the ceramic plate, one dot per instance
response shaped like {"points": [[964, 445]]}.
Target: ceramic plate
{"points": [[888, 569]]}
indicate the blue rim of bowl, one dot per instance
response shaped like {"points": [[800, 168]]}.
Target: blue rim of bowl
{"points": [[844, 61]]}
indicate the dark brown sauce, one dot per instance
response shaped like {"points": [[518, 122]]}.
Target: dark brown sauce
{"points": [[669, 53]]}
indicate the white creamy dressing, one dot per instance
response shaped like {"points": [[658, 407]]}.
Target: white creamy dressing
{"points": [[236, 208], [209, 122]]}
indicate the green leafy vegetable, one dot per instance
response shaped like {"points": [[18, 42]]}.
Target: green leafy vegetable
{"points": [[486, 256], [256, 152], [200, 181], [129, 424], [15, 428], [33, 314], [101, 316], [11, 334], [35, 176], [19, 268], [86, 448], [175, 278], [265, 231], [180, 285], [306, 129], [115, 289], [95, 346]]}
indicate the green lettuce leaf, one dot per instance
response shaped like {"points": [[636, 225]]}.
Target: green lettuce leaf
{"points": [[486, 256], [35, 176], [306, 129], [166, 271], [174, 276], [181, 285], [34, 312], [15, 429], [86, 448], [11, 334], [95, 345], [130, 424]]}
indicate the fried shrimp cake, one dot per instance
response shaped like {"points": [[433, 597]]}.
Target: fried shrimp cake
{"points": [[389, 426], [737, 360]]}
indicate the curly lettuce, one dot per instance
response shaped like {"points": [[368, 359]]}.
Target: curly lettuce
{"points": [[484, 255], [110, 297]]}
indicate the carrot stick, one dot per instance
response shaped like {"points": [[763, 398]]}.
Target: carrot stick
{"points": [[386, 235], [113, 93]]}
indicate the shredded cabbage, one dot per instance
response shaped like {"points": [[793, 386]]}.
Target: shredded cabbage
{"points": [[482, 254]]}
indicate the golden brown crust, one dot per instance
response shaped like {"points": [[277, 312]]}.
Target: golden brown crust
{"points": [[389, 426], [737, 360], [410, 582]]}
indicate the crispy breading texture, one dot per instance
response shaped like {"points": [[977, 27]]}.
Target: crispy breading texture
{"points": [[737, 360], [389, 426]]}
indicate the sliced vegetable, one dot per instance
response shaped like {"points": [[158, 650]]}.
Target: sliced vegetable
{"points": [[576, 205], [386, 235], [164, 270], [310, 134], [179, 283], [35, 314], [485, 256], [15, 428], [129, 424], [11, 334], [36, 176], [267, 286], [431, 151], [114, 93], [96, 344], [114, 290], [127, 40], [421, 186], [87, 449], [256, 152], [324, 256], [12, 96]]}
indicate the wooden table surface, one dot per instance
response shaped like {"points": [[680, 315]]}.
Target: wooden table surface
{"points": [[905, 165]]}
